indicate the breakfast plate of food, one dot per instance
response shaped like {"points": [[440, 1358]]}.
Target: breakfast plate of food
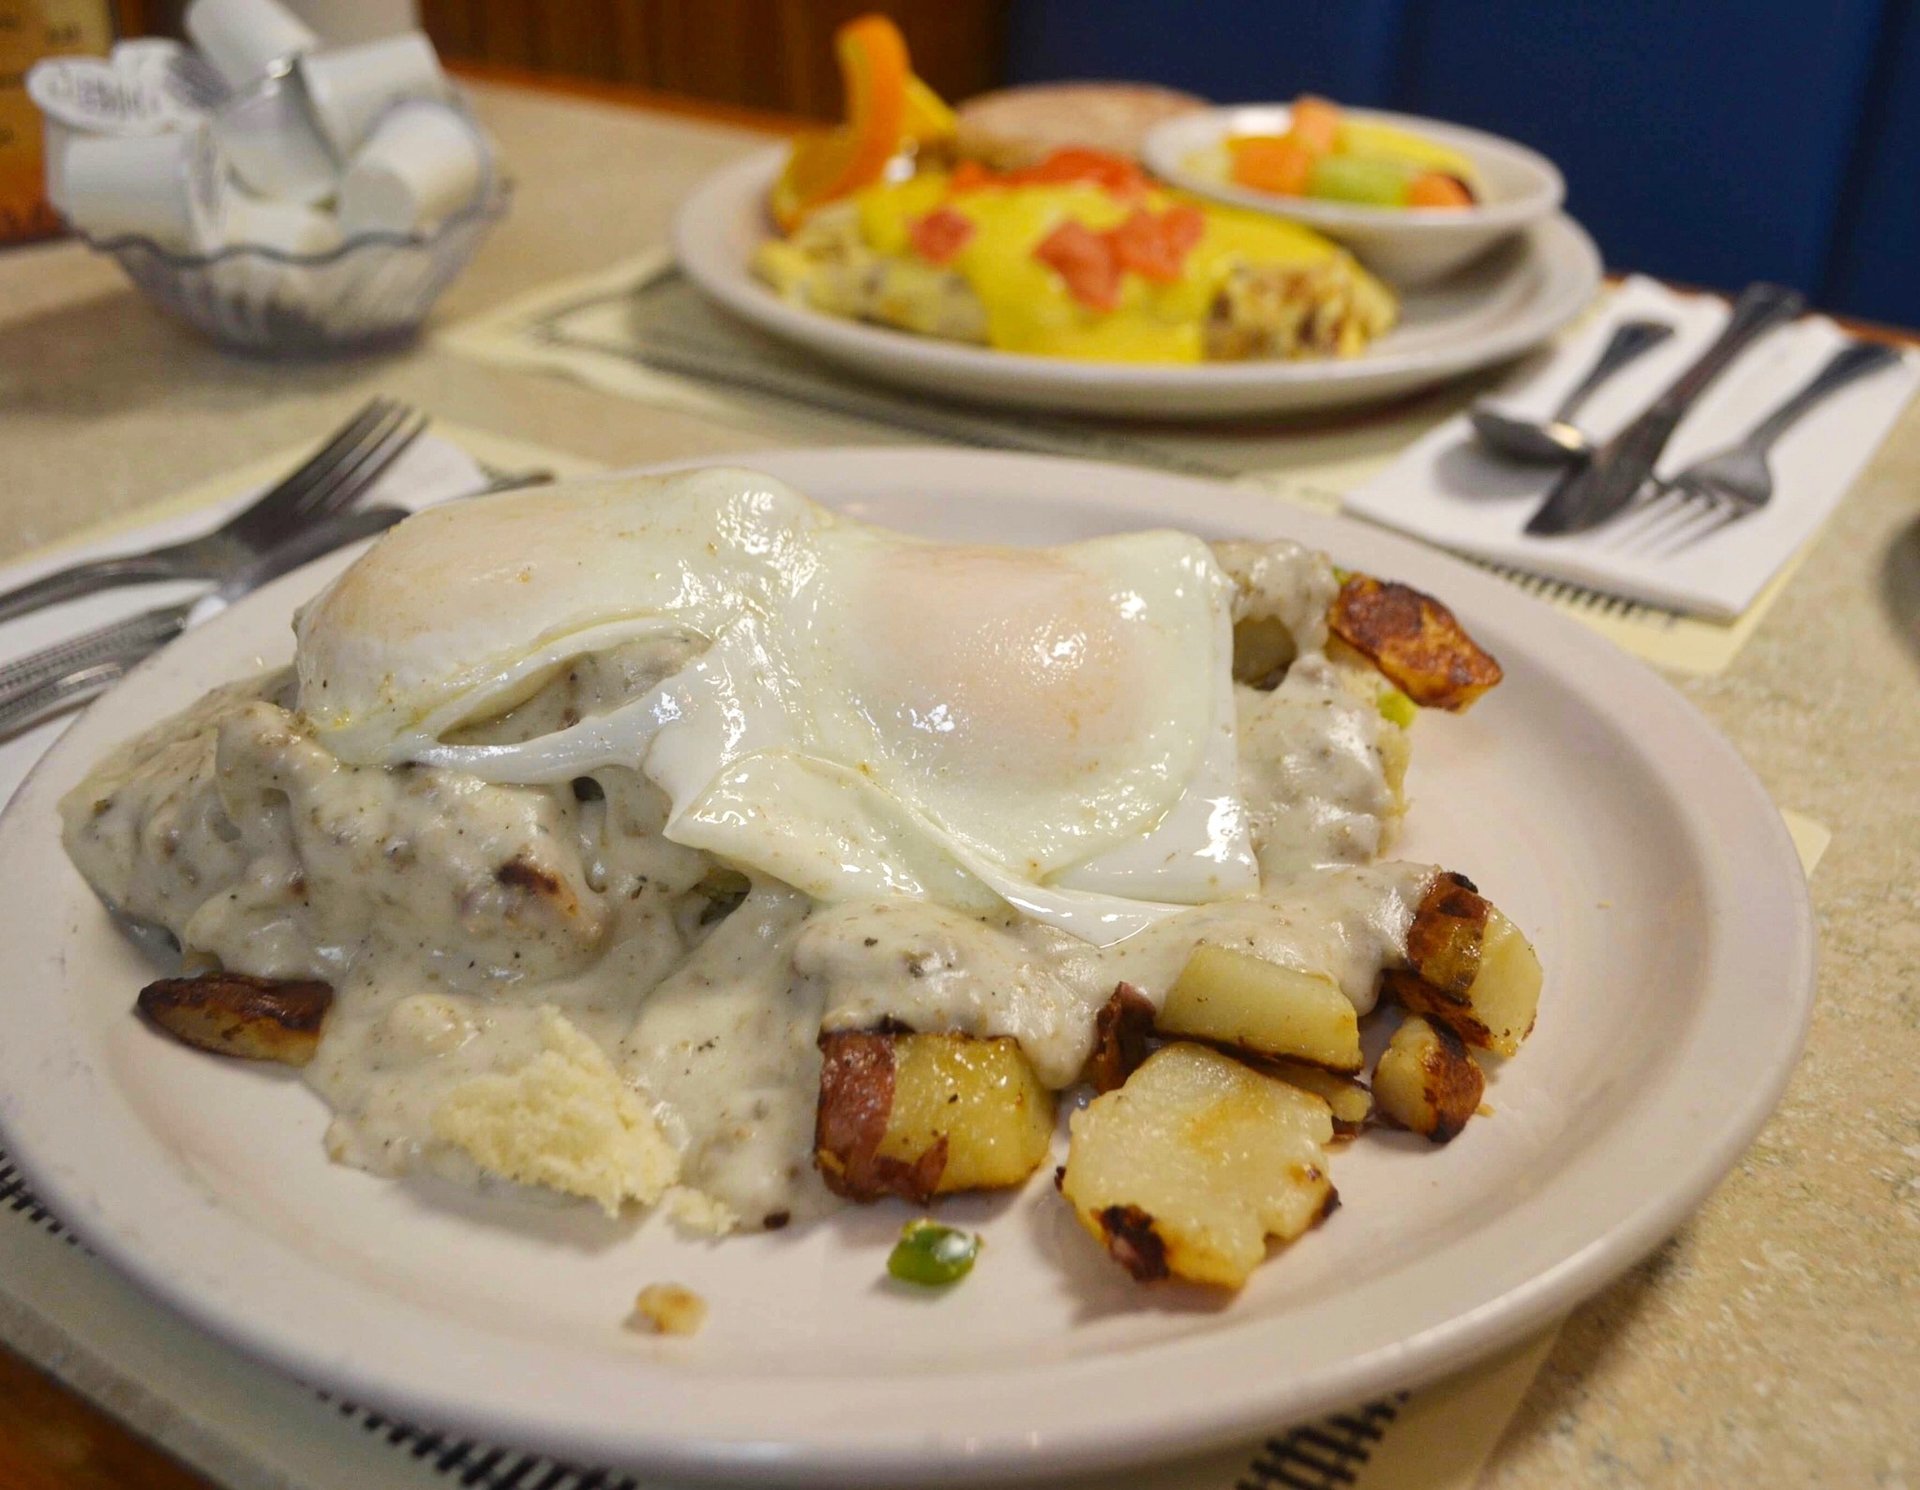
{"points": [[888, 966], [1076, 281]]}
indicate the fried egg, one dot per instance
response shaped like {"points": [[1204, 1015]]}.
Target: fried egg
{"points": [[864, 714]]}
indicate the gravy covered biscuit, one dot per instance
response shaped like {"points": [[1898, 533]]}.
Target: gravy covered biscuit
{"points": [[678, 843]]}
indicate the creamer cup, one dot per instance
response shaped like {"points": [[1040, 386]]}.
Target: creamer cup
{"points": [[54, 139], [274, 146], [422, 163], [171, 188], [187, 83], [350, 88], [89, 95], [247, 40], [283, 227]]}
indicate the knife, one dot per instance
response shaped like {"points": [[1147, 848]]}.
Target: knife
{"points": [[1602, 487], [70, 672]]}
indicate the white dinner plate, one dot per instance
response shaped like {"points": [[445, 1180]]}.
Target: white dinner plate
{"points": [[1585, 797], [1495, 309]]}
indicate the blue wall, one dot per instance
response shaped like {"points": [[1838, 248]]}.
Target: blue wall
{"points": [[1709, 143]]}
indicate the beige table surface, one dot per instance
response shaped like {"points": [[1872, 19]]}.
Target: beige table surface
{"points": [[1774, 1341]]}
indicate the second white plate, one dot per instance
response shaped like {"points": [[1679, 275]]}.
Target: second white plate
{"points": [[1493, 310]]}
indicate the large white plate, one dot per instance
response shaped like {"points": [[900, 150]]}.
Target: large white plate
{"points": [[1585, 796], [1506, 304]]}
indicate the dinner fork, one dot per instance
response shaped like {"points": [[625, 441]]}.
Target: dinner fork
{"points": [[1736, 482], [57, 678], [62, 676], [338, 473]]}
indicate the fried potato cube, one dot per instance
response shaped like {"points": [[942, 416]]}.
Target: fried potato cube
{"points": [[1427, 1081], [1414, 640], [1233, 998], [1189, 1168], [1496, 1008], [923, 1115], [1444, 940], [257, 1019], [1349, 1101]]}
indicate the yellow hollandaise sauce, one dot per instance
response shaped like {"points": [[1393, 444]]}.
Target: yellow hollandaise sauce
{"points": [[1034, 306]]}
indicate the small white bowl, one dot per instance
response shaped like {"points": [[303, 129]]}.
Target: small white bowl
{"points": [[1409, 246]]}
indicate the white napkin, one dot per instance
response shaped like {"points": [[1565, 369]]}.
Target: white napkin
{"points": [[1449, 490]]}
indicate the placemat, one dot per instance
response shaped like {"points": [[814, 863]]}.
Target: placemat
{"points": [[640, 330], [251, 1428]]}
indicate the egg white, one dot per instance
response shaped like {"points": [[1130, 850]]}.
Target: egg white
{"points": [[868, 714]]}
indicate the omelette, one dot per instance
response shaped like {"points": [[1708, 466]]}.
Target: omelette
{"points": [[1078, 256]]}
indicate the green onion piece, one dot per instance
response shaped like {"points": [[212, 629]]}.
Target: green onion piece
{"points": [[1397, 708], [932, 1255]]}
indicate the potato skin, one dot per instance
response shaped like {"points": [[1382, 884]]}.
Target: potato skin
{"points": [[919, 1115], [1133, 1243], [856, 1096], [1414, 640], [259, 1019], [1121, 1031]]}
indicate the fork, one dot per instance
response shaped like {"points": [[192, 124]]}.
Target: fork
{"points": [[1736, 482], [69, 673], [331, 479], [56, 678]]}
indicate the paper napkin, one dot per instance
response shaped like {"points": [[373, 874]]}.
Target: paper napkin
{"points": [[1448, 489]]}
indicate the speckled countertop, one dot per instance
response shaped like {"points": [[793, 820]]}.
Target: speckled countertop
{"points": [[1775, 1340]]}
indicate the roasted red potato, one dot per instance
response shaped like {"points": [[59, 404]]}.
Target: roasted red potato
{"points": [[1427, 1080], [1121, 1032], [1189, 1169], [923, 1115], [257, 1019], [1414, 640], [1472, 969]]}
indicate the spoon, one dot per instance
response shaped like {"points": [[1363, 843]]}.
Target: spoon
{"points": [[1557, 439]]}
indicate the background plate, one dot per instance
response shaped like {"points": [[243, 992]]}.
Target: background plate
{"points": [[1585, 797], [1506, 304]]}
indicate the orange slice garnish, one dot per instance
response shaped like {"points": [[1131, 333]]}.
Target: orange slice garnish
{"points": [[828, 164]]}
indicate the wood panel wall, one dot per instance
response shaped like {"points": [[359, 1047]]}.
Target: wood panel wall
{"points": [[770, 54]]}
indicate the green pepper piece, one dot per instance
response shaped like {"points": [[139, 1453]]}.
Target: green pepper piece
{"points": [[1397, 708], [932, 1255]]}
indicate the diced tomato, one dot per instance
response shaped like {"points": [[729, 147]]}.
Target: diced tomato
{"points": [[940, 235], [1112, 173], [1184, 226], [1156, 246], [970, 175], [1086, 261], [1075, 164]]}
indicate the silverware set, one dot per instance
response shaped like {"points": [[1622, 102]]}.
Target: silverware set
{"points": [[1617, 482], [308, 514]]}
